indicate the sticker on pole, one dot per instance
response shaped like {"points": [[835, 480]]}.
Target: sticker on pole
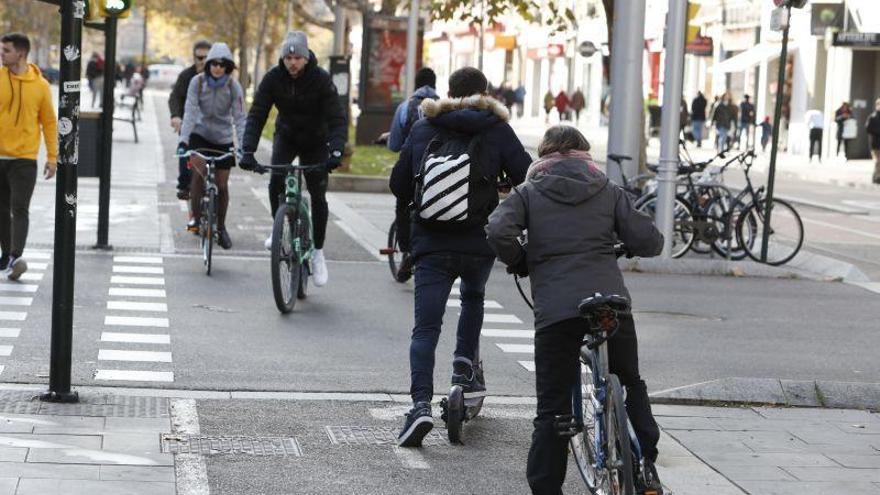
{"points": [[71, 53], [79, 9], [65, 126], [71, 86]]}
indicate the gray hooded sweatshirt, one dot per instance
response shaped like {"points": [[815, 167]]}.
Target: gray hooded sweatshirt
{"points": [[213, 112], [574, 216]]}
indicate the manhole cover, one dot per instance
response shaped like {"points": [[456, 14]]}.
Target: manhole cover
{"points": [[677, 315], [377, 435], [230, 445]]}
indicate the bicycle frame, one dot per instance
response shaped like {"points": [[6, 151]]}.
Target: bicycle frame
{"points": [[293, 197]]}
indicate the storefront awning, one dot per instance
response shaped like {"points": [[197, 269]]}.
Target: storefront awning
{"points": [[753, 56]]}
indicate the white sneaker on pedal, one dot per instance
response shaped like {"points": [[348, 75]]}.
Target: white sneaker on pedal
{"points": [[319, 268], [268, 243]]}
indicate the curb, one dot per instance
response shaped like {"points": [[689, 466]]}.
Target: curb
{"points": [[774, 392]]}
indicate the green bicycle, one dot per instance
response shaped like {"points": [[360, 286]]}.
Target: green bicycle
{"points": [[292, 245]]}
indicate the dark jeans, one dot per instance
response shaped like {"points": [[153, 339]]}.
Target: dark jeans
{"points": [[434, 275], [557, 349], [316, 182], [404, 225], [816, 143], [17, 180], [184, 175]]}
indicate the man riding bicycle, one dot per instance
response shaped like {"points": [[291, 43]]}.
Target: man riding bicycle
{"points": [[311, 125], [177, 105], [565, 188], [214, 106]]}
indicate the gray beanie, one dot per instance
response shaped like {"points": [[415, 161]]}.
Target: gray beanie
{"points": [[297, 43]]}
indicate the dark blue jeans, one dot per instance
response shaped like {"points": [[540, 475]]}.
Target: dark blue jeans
{"points": [[434, 275], [184, 174]]}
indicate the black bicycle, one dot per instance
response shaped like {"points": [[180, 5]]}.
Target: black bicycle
{"points": [[207, 226]]}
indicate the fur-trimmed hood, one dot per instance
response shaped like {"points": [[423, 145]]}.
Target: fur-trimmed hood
{"points": [[433, 108]]}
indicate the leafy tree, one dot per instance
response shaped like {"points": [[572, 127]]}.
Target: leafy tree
{"points": [[552, 14]]}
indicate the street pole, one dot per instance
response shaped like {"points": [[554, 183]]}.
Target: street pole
{"points": [[774, 149], [670, 127], [627, 127], [338, 29], [412, 40], [107, 132], [61, 347]]}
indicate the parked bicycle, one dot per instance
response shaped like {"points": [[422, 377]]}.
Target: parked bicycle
{"points": [[207, 222], [292, 245]]}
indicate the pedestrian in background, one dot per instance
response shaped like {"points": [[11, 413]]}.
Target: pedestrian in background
{"points": [[508, 96], [766, 132], [722, 120], [873, 128], [578, 102], [562, 103], [816, 124], [698, 118], [95, 77], [520, 99], [549, 103], [25, 109], [734, 124], [746, 122], [841, 115], [177, 106]]}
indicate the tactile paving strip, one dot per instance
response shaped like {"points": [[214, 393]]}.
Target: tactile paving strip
{"points": [[230, 445], [377, 435], [28, 402]]}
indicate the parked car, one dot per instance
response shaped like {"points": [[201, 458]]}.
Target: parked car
{"points": [[163, 75]]}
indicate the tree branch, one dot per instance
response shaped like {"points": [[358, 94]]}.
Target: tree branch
{"points": [[309, 18]]}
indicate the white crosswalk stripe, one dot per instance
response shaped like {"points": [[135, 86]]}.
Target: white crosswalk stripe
{"points": [[528, 365], [132, 292], [153, 260], [16, 301], [456, 303], [135, 338], [145, 270], [135, 321], [142, 356], [19, 294], [136, 306], [16, 287], [134, 376], [517, 348], [5, 350], [13, 315], [516, 334], [10, 333], [121, 279], [501, 318]]}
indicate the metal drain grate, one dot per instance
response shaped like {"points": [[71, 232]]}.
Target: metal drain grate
{"points": [[28, 402], [230, 445], [377, 435]]}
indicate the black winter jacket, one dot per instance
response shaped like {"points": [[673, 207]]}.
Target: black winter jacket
{"points": [[501, 151], [574, 215], [309, 113], [177, 100]]}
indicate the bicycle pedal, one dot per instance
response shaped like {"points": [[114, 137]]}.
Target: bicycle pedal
{"points": [[387, 251]]}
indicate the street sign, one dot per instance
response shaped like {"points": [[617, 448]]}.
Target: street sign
{"points": [[857, 39], [779, 19], [587, 49]]}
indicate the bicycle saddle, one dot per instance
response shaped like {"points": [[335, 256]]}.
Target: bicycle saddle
{"points": [[618, 158], [598, 301]]}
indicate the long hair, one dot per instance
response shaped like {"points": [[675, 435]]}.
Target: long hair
{"points": [[562, 139]]}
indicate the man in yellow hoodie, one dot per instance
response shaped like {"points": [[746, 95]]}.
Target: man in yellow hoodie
{"points": [[25, 107]]}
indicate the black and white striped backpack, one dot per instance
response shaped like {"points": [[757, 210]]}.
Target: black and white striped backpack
{"points": [[452, 191]]}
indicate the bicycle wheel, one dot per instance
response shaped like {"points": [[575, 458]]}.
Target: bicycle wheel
{"points": [[583, 445], [619, 452], [394, 254], [683, 234], [786, 232], [286, 266], [725, 213], [209, 215]]}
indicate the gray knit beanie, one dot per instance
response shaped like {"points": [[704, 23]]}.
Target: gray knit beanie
{"points": [[297, 43]]}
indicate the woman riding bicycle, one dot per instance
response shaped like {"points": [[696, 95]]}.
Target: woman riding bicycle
{"points": [[214, 105], [574, 217]]}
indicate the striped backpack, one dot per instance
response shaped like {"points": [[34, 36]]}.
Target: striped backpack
{"points": [[452, 191]]}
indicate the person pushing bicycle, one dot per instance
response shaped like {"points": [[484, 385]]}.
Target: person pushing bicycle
{"points": [[564, 187], [214, 106], [311, 125]]}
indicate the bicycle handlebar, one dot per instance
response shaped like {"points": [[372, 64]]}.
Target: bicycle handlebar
{"points": [[210, 158], [262, 169]]}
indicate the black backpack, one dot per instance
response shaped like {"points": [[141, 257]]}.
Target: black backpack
{"points": [[452, 191]]}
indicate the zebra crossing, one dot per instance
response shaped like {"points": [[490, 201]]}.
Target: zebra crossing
{"points": [[16, 298], [135, 318], [502, 326]]}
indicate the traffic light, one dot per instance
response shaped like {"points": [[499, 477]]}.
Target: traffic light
{"points": [[93, 10], [116, 8]]}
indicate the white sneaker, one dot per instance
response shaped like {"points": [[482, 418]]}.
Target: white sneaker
{"points": [[17, 267], [268, 243], [319, 268]]}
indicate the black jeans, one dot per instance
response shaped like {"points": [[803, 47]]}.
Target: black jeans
{"points": [[816, 143], [434, 275], [316, 182], [17, 180], [557, 350], [404, 225]]}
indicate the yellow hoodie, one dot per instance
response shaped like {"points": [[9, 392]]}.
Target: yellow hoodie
{"points": [[25, 105]]}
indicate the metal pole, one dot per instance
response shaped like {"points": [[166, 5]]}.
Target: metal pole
{"points": [[777, 117], [627, 127], [338, 29], [61, 348], [107, 132], [670, 127], [412, 40]]}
